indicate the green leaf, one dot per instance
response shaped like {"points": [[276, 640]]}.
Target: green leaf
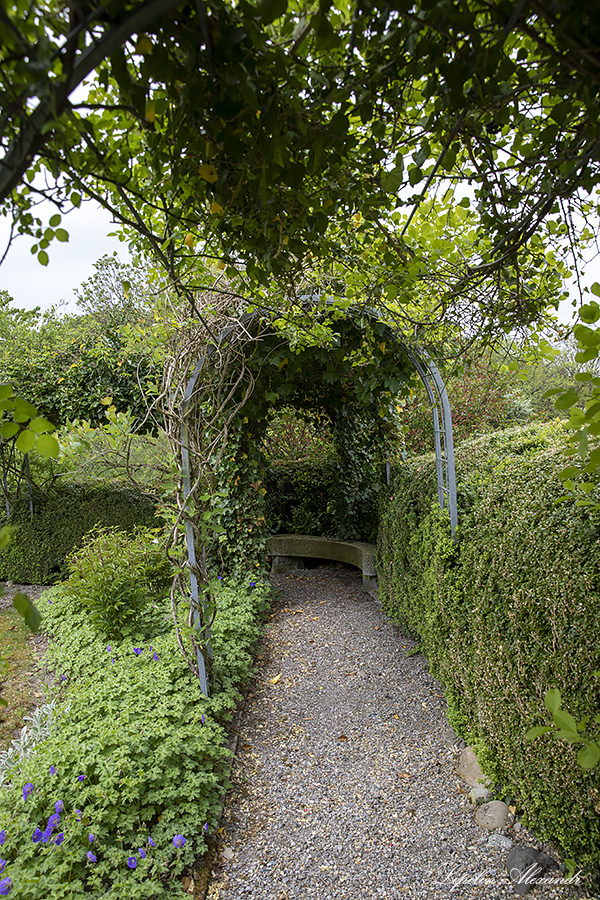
{"points": [[25, 442], [6, 391], [27, 610], [537, 730], [43, 258], [55, 220], [566, 400], [9, 429], [61, 235], [269, 10], [24, 410], [589, 313], [40, 425], [564, 720], [552, 700], [589, 755], [5, 533], [48, 446]]}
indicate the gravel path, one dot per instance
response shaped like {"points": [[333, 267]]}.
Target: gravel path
{"points": [[344, 784]]}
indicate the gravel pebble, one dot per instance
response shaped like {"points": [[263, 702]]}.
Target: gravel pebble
{"points": [[344, 784]]}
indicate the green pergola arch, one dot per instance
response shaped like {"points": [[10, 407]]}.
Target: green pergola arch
{"points": [[420, 361]]}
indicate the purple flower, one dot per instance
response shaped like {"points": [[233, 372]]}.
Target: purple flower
{"points": [[64, 677], [220, 577], [59, 806], [108, 647], [91, 838], [203, 718], [112, 661], [252, 584], [2, 836], [142, 852], [178, 841], [2, 865], [151, 842], [131, 862], [155, 655], [59, 838], [52, 770], [137, 650], [78, 816], [37, 836], [91, 856], [47, 834], [206, 826], [5, 886], [27, 790], [54, 820], [80, 777], [50, 602]]}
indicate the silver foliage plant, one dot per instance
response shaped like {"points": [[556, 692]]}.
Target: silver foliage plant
{"points": [[36, 729]]}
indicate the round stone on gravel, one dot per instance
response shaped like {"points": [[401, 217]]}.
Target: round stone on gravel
{"points": [[500, 842], [492, 815]]}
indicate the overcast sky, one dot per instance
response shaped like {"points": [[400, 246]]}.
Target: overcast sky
{"points": [[31, 284], [71, 263]]}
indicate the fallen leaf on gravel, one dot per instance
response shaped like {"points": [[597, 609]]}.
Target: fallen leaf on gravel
{"points": [[276, 679], [403, 775], [513, 809], [247, 746], [342, 737]]}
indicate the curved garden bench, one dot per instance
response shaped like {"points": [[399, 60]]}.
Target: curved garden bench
{"points": [[288, 549]]}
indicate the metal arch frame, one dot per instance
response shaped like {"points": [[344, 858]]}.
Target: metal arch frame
{"points": [[444, 449]]}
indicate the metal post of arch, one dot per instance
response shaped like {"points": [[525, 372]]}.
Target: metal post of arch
{"points": [[444, 449]]}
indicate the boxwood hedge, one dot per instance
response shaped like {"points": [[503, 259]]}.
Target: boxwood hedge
{"points": [[503, 614]]}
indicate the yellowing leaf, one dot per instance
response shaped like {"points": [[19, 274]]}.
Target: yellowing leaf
{"points": [[189, 241], [276, 679], [144, 45], [150, 111], [283, 362], [215, 208], [208, 172], [106, 401]]}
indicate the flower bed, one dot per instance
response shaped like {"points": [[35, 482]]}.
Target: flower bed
{"points": [[118, 801]]}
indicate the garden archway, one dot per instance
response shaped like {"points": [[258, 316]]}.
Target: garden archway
{"points": [[356, 321]]}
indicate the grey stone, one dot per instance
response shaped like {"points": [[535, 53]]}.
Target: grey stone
{"points": [[525, 866], [449, 737], [283, 564], [479, 795], [492, 815], [500, 842], [469, 769]]}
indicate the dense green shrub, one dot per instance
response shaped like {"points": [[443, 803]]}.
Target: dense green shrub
{"points": [[114, 576], [137, 757], [300, 498], [62, 516], [506, 613]]}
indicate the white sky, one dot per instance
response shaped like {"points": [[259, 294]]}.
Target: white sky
{"points": [[31, 284], [71, 263]]}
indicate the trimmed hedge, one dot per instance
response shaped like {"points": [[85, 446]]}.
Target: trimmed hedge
{"points": [[300, 498], [315, 498], [504, 614], [38, 548]]}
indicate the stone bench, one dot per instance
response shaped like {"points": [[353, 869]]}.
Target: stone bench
{"points": [[288, 549]]}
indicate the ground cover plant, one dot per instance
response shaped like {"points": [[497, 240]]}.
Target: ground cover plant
{"points": [[507, 614], [120, 798]]}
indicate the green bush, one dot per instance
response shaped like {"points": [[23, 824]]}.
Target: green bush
{"points": [[137, 756], [114, 576], [506, 613], [39, 547], [300, 498]]}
